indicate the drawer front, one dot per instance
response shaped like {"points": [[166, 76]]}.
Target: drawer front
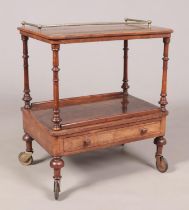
{"points": [[108, 137]]}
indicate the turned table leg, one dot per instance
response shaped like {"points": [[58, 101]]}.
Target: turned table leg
{"points": [[28, 139], [161, 162], [56, 112], [57, 163], [26, 158]]}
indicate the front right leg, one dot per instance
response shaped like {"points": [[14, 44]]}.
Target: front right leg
{"points": [[161, 162], [57, 163]]}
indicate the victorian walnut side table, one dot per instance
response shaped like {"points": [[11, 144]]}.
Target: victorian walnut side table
{"points": [[80, 124]]}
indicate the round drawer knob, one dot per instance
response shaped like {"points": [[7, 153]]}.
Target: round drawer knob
{"points": [[143, 131], [86, 142]]}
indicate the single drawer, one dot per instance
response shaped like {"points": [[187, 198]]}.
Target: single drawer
{"points": [[108, 137]]}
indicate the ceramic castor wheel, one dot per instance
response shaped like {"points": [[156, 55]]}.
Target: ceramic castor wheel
{"points": [[25, 158]]}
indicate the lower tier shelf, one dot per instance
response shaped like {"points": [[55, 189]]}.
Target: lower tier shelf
{"points": [[91, 122]]}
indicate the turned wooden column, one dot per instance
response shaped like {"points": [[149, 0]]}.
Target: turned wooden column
{"points": [[56, 112], [26, 98], [125, 85], [163, 100]]}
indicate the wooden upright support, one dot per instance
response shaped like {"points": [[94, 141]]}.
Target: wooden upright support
{"points": [[163, 100], [26, 98], [56, 112], [125, 85]]}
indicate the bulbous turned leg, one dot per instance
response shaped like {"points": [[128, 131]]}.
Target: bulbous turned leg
{"points": [[26, 158], [161, 162], [57, 163]]}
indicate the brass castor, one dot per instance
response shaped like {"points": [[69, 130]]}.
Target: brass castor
{"points": [[161, 164], [56, 189], [25, 158]]}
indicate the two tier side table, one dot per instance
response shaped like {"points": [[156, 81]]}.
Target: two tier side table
{"points": [[80, 124]]}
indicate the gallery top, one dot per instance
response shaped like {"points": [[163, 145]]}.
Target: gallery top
{"points": [[87, 32]]}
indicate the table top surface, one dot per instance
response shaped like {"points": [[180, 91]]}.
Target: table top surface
{"points": [[84, 31]]}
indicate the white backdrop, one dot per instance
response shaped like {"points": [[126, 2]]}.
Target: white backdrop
{"points": [[88, 69]]}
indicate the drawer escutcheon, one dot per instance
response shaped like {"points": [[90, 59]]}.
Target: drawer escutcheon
{"points": [[143, 131], [86, 142]]}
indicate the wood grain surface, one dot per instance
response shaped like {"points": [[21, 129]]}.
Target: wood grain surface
{"points": [[83, 33], [81, 111]]}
